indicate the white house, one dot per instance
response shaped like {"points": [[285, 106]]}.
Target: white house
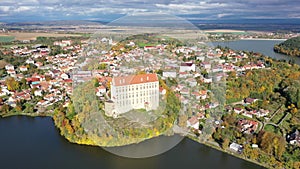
{"points": [[29, 61], [235, 147], [169, 74], [4, 91], [9, 67], [187, 66], [207, 80], [294, 138], [162, 91], [23, 68], [192, 82], [11, 73], [201, 58], [238, 110], [63, 43], [206, 65], [64, 76], [193, 122], [134, 92], [11, 102], [38, 93], [100, 91]]}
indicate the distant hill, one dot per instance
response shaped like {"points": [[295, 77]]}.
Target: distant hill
{"points": [[289, 47], [55, 23]]}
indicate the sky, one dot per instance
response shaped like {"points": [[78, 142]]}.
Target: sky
{"points": [[106, 10]]}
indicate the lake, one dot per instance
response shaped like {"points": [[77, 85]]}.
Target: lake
{"points": [[262, 46], [35, 143]]}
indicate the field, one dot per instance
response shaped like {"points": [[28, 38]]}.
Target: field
{"points": [[6, 38], [31, 35]]}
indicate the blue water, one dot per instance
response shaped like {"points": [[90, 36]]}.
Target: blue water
{"points": [[262, 46]]}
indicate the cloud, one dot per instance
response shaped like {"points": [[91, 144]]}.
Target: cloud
{"points": [[23, 8], [4, 8], [209, 9], [222, 15]]}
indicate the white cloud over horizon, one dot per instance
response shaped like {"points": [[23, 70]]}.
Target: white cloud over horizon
{"points": [[204, 9]]}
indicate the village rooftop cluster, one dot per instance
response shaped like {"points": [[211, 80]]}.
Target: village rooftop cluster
{"points": [[193, 67]]}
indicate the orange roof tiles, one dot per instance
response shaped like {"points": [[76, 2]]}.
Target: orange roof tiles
{"points": [[134, 79]]}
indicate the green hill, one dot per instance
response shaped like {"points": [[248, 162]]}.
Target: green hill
{"points": [[289, 47]]}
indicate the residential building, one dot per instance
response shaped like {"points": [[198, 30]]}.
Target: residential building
{"points": [[294, 138], [193, 122], [171, 74], [186, 67], [236, 147]]}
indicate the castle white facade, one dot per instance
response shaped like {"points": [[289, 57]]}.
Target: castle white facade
{"points": [[133, 92]]}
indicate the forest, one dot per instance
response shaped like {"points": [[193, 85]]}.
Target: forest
{"points": [[289, 47]]}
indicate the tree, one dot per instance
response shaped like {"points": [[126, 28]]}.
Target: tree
{"points": [[182, 120], [266, 142], [12, 84], [160, 72], [232, 74], [280, 147], [102, 66], [29, 108], [254, 140], [23, 84], [18, 107], [48, 78], [3, 63], [96, 82], [225, 143], [298, 98], [70, 111], [296, 164], [5, 109], [272, 144]]}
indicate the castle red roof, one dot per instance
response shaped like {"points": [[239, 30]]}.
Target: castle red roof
{"points": [[134, 79]]}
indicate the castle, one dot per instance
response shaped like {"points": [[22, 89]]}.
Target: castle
{"points": [[133, 92]]}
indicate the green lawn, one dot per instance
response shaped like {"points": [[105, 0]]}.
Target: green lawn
{"points": [[141, 44], [286, 124], [277, 117], [6, 38], [272, 128]]}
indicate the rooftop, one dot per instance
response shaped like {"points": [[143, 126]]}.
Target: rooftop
{"points": [[134, 79]]}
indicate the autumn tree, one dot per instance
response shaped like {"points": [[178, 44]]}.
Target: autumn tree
{"points": [[225, 143], [12, 84], [3, 63], [18, 107], [4, 109], [23, 84], [272, 143]]}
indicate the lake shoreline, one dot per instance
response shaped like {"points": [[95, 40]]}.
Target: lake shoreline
{"points": [[78, 142], [266, 39], [206, 143]]}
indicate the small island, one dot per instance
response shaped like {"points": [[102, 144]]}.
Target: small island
{"points": [[289, 47]]}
